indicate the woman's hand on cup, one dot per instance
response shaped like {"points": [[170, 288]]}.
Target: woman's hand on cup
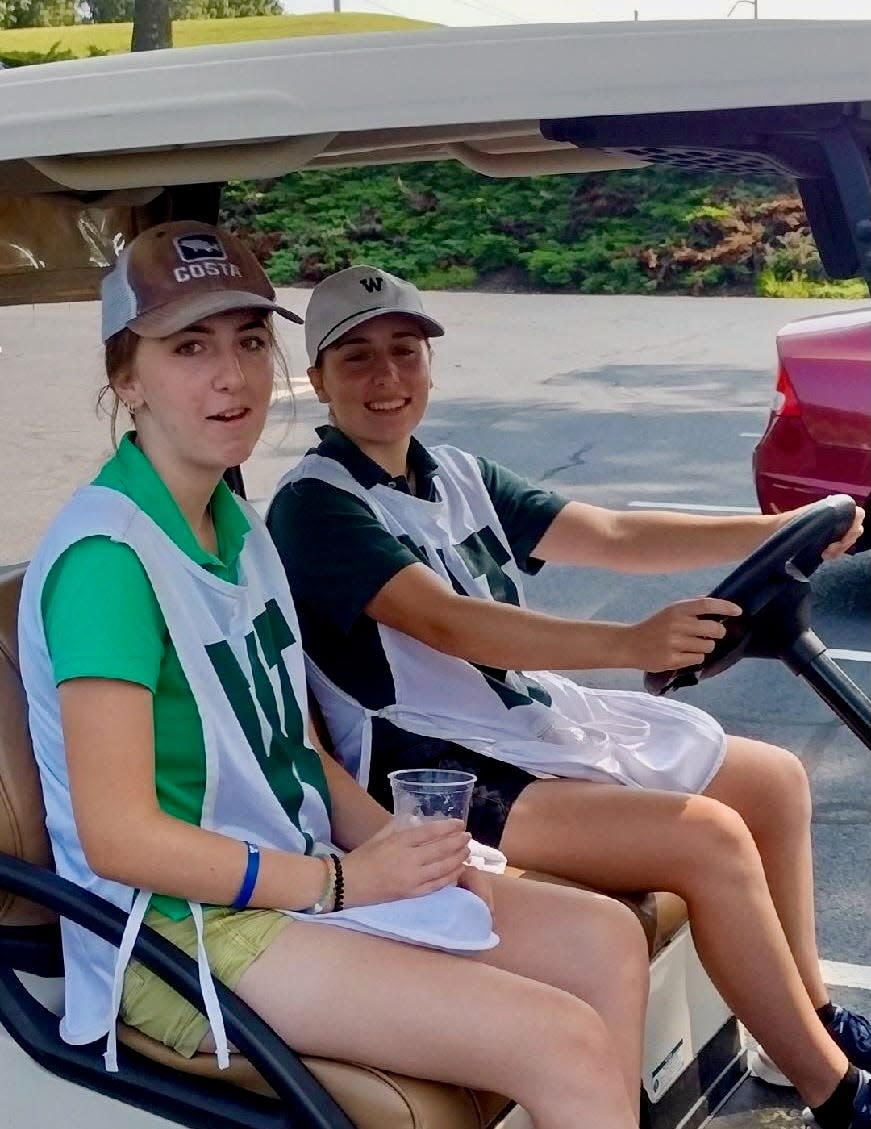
{"points": [[406, 861]]}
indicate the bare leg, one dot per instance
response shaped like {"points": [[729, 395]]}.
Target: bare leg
{"points": [[769, 789], [594, 948], [625, 839], [469, 1021]]}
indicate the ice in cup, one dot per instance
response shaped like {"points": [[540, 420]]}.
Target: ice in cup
{"points": [[431, 793]]}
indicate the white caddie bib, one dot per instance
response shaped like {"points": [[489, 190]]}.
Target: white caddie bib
{"points": [[542, 722], [239, 647]]}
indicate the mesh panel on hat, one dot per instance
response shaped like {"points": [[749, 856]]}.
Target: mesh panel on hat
{"points": [[119, 300], [175, 262]]}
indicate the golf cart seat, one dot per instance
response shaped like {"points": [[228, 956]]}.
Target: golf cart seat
{"points": [[188, 1091]]}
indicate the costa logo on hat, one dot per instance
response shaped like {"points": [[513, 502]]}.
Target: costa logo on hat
{"points": [[176, 274], [354, 296], [193, 248]]}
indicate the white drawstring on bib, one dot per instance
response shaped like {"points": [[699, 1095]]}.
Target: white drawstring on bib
{"points": [[125, 949], [210, 996]]}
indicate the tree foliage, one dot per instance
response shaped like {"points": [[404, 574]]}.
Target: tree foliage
{"points": [[225, 9], [57, 13], [109, 11], [36, 13]]}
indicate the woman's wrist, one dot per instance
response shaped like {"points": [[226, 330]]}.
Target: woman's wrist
{"points": [[249, 877], [327, 898], [610, 646], [338, 885], [359, 894], [290, 881]]}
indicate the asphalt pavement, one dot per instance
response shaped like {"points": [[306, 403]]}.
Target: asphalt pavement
{"points": [[619, 401]]}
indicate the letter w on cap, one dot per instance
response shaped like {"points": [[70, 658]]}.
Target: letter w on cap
{"points": [[371, 283]]}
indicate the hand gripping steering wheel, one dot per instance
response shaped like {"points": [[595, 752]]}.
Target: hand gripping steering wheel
{"points": [[771, 587]]}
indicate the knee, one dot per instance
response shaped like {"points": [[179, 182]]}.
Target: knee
{"points": [[720, 843], [790, 804], [576, 1034], [623, 943]]}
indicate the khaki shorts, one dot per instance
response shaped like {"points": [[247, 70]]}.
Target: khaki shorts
{"points": [[234, 940]]}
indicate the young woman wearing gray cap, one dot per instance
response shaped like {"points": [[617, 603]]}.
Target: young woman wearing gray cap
{"points": [[160, 653], [405, 565]]}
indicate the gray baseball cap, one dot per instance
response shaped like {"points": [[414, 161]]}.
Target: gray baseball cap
{"points": [[356, 295], [174, 274]]}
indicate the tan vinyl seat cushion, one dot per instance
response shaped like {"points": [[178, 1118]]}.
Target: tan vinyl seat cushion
{"points": [[373, 1099], [22, 816]]}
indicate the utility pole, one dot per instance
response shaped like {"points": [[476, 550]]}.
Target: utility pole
{"points": [[337, 5]]}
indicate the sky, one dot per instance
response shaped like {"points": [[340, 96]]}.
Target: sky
{"points": [[468, 13]]}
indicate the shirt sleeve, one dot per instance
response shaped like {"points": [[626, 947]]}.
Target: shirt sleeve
{"points": [[101, 617], [524, 510], [336, 553]]}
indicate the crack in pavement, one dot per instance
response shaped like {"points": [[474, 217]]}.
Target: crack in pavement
{"points": [[575, 459]]}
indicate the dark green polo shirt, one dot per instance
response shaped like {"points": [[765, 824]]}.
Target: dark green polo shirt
{"points": [[338, 556], [102, 620]]}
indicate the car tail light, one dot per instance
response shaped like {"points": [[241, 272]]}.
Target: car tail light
{"points": [[785, 400]]}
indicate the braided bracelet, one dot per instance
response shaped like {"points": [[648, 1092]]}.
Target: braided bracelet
{"points": [[324, 902], [339, 901]]}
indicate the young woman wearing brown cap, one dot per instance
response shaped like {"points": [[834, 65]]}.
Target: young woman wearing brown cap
{"points": [[160, 652]]}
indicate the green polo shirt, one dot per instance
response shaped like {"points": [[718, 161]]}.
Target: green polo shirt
{"points": [[102, 620], [338, 556]]}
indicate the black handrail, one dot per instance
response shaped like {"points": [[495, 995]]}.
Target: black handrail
{"points": [[296, 1087]]}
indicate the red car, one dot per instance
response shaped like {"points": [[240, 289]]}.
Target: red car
{"points": [[818, 438]]}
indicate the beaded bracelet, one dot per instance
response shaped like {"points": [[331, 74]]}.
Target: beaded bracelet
{"points": [[249, 879], [339, 901], [324, 902]]}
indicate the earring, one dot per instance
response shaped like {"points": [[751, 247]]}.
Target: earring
{"points": [[131, 408]]}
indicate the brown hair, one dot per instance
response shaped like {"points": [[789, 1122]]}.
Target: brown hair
{"points": [[118, 358]]}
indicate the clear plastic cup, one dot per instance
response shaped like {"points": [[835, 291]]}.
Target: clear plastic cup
{"points": [[431, 793]]}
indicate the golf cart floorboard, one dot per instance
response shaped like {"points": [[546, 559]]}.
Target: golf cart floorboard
{"points": [[755, 1104]]}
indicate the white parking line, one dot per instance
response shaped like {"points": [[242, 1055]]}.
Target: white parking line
{"points": [[749, 434], [698, 506], [852, 656], [841, 975]]}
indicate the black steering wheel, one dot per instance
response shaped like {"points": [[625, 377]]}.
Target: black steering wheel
{"points": [[771, 587]]}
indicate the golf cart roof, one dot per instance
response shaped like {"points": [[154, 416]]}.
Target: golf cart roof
{"points": [[265, 108], [735, 95]]}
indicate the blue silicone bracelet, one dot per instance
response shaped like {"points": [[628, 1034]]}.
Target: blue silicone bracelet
{"points": [[249, 881]]}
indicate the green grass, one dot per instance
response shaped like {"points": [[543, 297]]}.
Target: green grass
{"points": [[115, 38]]}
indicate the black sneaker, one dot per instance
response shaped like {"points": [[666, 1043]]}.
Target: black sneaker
{"points": [[862, 1100], [861, 1118], [852, 1033]]}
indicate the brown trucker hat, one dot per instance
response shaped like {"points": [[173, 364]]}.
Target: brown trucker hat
{"points": [[175, 274]]}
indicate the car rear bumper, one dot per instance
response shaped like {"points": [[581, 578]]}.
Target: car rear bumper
{"points": [[790, 469]]}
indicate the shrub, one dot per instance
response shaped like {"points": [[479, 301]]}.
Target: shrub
{"points": [[30, 58], [447, 278], [442, 225], [769, 285], [552, 266]]}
